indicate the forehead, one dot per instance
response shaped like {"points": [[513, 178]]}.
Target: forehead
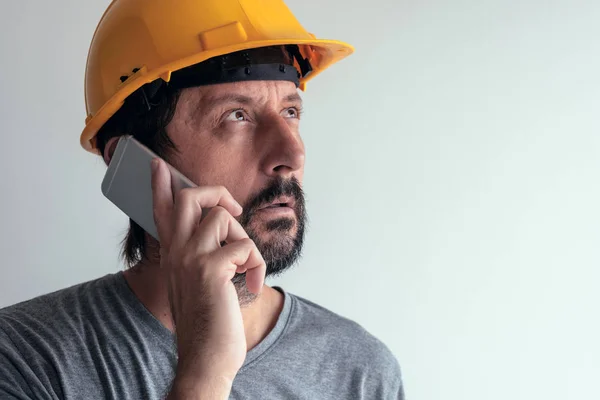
{"points": [[256, 92]]}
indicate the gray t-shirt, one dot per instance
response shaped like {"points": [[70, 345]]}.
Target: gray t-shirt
{"points": [[96, 340]]}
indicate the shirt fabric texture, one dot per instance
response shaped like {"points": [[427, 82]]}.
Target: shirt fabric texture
{"points": [[96, 340]]}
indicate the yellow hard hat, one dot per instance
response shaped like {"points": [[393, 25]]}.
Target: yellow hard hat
{"points": [[140, 41]]}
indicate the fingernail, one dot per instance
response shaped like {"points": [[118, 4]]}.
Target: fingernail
{"points": [[154, 165]]}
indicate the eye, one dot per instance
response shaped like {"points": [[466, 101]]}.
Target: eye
{"points": [[237, 116], [291, 112]]}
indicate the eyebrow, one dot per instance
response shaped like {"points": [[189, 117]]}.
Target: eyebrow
{"points": [[293, 98], [228, 98], [241, 99]]}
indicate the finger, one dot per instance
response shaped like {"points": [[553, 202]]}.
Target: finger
{"points": [[255, 274], [162, 200], [188, 207], [243, 256], [218, 226]]}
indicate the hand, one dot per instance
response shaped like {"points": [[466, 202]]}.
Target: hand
{"points": [[204, 303]]}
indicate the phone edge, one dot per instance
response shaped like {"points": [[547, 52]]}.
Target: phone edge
{"points": [[120, 152]]}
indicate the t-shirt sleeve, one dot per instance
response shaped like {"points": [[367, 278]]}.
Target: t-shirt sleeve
{"points": [[385, 377], [391, 382], [13, 371]]}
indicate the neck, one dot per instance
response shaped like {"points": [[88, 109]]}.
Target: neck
{"points": [[148, 281]]}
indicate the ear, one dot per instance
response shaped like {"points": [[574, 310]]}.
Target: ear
{"points": [[109, 149]]}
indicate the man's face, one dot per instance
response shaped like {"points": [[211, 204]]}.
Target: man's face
{"points": [[245, 136]]}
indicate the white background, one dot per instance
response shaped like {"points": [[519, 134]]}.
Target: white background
{"points": [[451, 180]]}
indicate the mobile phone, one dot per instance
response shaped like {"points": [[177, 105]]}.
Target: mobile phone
{"points": [[128, 182]]}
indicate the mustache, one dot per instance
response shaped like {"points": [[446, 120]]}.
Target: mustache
{"points": [[277, 188]]}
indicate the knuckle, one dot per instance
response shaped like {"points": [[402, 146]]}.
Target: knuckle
{"points": [[187, 260], [221, 214], [185, 195], [223, 190], [220, 258], [211, 264], [203, 260], [248, 243]]}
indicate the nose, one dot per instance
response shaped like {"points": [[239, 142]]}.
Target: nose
{"points": [[284, 149]]}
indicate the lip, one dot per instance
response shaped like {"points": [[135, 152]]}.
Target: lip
{"points": [[284, 203], [276, 211]]}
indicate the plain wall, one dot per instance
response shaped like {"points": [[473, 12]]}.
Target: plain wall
{"points": [[450, 177]]}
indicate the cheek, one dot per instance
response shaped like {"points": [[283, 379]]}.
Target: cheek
{"points": [[219, 166]]}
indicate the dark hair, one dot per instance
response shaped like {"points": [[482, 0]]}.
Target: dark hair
{"points": [[147, 121]]}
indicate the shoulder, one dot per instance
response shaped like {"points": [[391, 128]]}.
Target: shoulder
{"points": [[32, 335], [343, 333], [348, 346], [57, 310]]}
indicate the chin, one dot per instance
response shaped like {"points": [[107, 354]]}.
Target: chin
{"points": [[276, 242], [279, 241]]}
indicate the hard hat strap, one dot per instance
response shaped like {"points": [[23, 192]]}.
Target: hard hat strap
{"points": [[200, 75], [273, 63], [263, 63]]}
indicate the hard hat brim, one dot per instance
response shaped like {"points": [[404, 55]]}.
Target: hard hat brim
{"points": [[327, 52]]}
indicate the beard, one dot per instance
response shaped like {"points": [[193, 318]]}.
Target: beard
{"points": [[276, 240]]}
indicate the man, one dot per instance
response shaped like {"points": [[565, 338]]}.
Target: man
{"points": [[211, 87]]}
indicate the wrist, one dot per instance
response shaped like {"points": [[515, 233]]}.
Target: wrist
{"points": [[215, 387]]}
